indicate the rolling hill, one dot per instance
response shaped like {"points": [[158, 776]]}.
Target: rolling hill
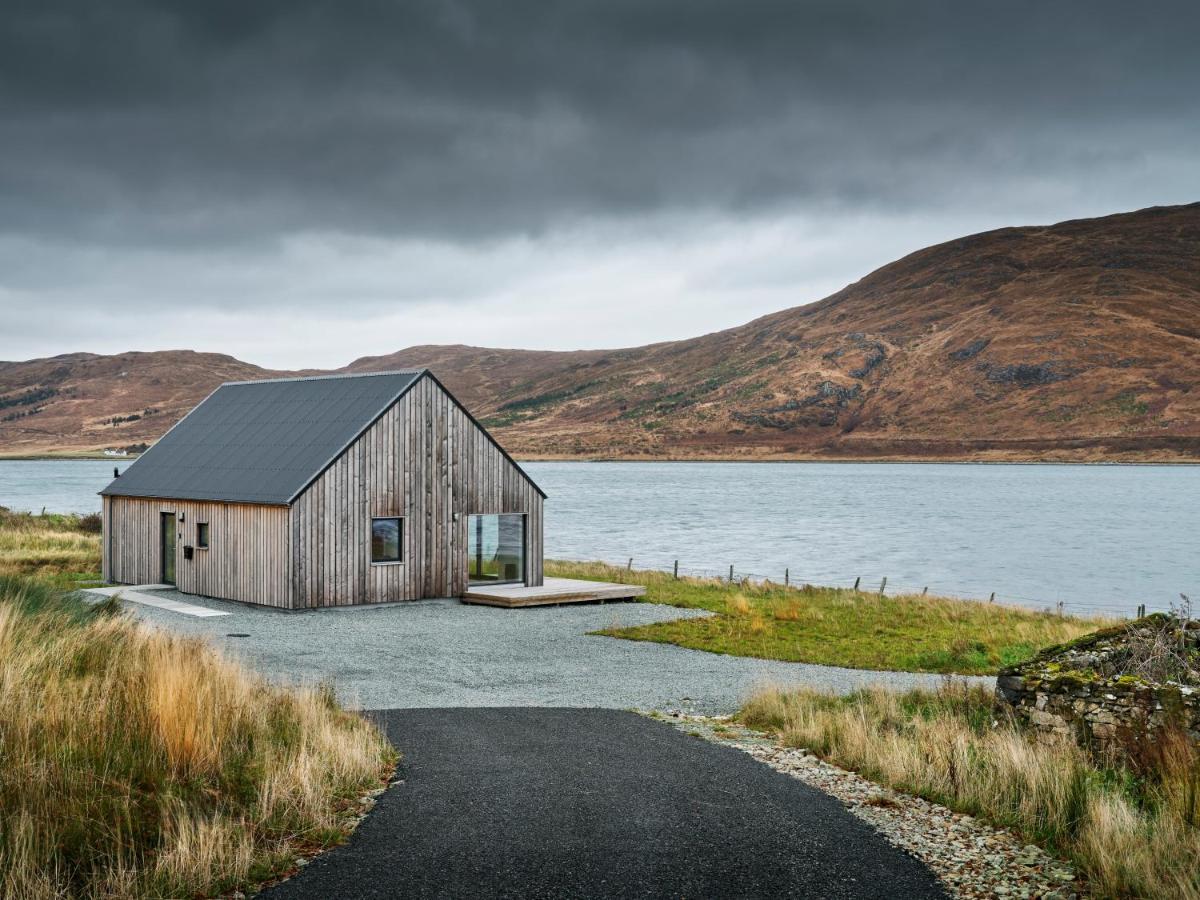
{"points": [[1079, 340]]}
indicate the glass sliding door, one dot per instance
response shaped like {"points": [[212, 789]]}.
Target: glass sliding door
{"points": [[496, 549]]}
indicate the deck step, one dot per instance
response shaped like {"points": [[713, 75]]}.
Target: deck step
{"points": [[552, 592]]}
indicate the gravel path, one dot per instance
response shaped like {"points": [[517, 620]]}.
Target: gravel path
{"points": [[445, 653], [974, 861], [596, 803]]}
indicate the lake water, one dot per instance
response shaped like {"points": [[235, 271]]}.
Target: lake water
{"points": [[1093, 537]]}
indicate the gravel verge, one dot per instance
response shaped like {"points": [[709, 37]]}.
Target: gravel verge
{"points": [[437, 653], [971, 859]]}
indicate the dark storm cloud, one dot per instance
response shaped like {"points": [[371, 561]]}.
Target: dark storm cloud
{"points": [[205, 124]]}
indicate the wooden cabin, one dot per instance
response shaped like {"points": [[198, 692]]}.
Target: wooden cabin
{"points": [[331, 491]]}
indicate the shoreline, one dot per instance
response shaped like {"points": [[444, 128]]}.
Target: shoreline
{"points": [[71, 456]]}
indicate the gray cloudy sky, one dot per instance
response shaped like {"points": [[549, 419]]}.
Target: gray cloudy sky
{"points": [[303, 183]]}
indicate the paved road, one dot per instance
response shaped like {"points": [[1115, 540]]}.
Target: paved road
{"points": [[445, 653], [553, 803]]}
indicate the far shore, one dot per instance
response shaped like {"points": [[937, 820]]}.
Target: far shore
{"points": [[973, 460]]}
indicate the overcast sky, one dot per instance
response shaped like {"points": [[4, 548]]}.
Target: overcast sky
{"points": [[299, 184]]}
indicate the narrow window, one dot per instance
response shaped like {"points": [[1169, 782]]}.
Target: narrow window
{"points": [[202, 535], [385, 540]]}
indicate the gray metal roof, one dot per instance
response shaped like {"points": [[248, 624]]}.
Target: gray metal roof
{"points": [[261, 441]]}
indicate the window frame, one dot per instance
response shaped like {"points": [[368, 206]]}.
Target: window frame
{"points": [[202, 544], [524, 578], [399, 560]]}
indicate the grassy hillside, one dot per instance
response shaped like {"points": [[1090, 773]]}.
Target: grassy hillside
{"points": [[134, 763], [1071, 341], [838, 627]]}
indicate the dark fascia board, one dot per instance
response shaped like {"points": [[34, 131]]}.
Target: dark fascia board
{"points": [[213, 499], [424, 373]]}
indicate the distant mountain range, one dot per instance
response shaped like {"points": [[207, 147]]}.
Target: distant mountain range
{"points": [[1074, 341]]}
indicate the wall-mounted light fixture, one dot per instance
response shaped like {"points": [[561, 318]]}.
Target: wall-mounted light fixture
{"points": [[181, 517]]}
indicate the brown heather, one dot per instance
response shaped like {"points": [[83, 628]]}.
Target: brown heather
{"points": [[135, 763], [1070, 341]]}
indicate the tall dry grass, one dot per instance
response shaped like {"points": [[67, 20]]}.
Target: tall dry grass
{"points": [[49, 545], [1132, 827], [136, 763]]}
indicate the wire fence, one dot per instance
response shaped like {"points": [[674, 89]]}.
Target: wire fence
{"points": [[881, 584]]}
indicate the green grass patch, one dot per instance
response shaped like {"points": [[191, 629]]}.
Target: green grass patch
{"points": [[839, 627]]}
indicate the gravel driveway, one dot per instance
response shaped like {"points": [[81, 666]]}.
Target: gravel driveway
{"points": [[439, 653]]}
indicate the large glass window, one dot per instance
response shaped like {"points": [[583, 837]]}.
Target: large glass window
{"points": [[496, 548], [386, 540]]}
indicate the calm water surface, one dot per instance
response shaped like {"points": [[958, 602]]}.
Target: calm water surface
{"points": [[1104, 537]]}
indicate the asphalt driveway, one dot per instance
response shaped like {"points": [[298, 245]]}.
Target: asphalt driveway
{"points": [[596, 803]]}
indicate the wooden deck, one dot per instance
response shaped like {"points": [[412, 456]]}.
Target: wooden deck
{"points": [[555, 590]]}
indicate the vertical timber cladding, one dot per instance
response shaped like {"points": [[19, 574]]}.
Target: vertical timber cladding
{"points": [[247, 558], [426, 461]]}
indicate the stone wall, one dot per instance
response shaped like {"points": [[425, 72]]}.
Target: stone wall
{"points": [[1098, 711], [1067, 691]]}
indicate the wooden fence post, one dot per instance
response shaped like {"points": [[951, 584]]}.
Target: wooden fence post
{"points": [[630, 566], [925, 591], [992, 599], [882, 585], [856, 581], [786, 577], [731, 574], [677, 569]]}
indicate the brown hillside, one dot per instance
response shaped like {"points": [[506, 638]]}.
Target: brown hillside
{"points": [[1078, 340], [70, 402]]}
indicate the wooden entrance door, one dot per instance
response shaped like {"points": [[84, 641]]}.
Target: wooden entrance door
{"points": [[167, 546]]}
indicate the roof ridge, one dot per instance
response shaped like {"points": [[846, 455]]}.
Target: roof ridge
{"points": [[417, 371]]}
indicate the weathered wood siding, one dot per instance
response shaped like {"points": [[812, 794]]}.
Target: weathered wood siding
{"points": [[247, 559], [426, 461]]}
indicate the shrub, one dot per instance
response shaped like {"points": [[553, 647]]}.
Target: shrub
{"points": [[92, 523]]}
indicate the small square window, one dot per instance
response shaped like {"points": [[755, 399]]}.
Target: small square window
{"points": [[202, 535], [386, 537]]}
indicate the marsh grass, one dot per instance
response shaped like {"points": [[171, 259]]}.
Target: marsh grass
{"points": [[1132, 827], [137, 763], [51, 546], [839, 627]]}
